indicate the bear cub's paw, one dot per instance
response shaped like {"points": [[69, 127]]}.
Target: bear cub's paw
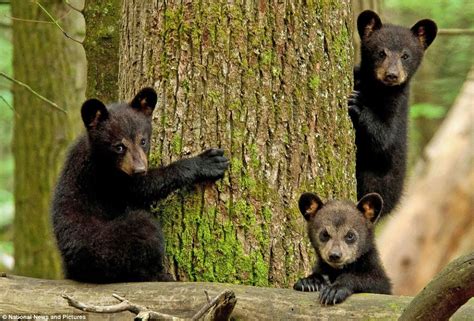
{"points": [[354, 104], [333, 294], [309, 284], [211, 164]]}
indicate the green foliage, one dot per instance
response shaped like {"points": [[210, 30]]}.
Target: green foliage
{"points": [[6, 247], [427, 110]]}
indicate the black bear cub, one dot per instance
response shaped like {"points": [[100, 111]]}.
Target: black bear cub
{"points": [[342, 235], [103, 226], [378, 107]]}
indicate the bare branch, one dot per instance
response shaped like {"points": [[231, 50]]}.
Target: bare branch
{"points": [[37, 21], [220, 300], [119, 307], [222, 307], [68, 3], [456, 32], [56, 23], [27, 20], [142, 312], [53, 104], [11, 107]]}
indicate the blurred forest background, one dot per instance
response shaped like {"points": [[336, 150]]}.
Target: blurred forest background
{"points": [[434, 89]]}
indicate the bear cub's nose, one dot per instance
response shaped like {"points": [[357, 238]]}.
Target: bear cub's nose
{"points": [[391, 77], [334, 257], [139, 170]]}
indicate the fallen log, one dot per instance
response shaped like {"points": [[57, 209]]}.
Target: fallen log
{"points": [[449, 290], [28, 296]]}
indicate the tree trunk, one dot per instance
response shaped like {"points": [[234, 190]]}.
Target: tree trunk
{"points": [[33, 296], [267, 81], [435, 221], [51, 64], [102, 48]]}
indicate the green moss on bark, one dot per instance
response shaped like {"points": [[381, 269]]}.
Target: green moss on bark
{"points": [[268, 83]]}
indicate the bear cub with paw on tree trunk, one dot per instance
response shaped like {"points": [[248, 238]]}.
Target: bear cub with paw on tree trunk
{"points": [[101, 207], [378, 106]]}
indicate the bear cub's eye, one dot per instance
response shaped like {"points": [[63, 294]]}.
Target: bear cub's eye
{"points": [[143, 142], [120, 148], [350, 237], [324, 236], [382, 54], [405, 56]]}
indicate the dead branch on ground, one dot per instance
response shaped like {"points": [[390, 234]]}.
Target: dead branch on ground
{"points": [[219, 308]]}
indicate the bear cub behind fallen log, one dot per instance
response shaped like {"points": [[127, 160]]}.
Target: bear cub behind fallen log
{"points": [[101, 207], [342, 235], [378, 107]]}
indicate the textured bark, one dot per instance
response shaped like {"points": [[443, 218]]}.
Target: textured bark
{"points": [[435, 223], [26, 295], [267, 81], [102, 48], [51, 64], [445, 294]]}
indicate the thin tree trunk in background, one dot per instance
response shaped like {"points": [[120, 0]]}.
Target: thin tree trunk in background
{"points": [[52, 65], [266, 81], [101, 45]]}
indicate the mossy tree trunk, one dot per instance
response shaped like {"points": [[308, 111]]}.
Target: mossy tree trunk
{"points": [[267, 81], [102, 48], [51, 64]]}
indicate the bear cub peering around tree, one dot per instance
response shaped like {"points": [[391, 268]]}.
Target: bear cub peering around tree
{"points": [[342, 235], [378, 106], [102, 223]]}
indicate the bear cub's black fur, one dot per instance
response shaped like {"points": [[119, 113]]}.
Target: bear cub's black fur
{"points": [[102, 222], [378, 107], [342, 235]]}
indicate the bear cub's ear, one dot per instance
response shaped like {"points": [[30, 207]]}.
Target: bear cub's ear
{"points": [[145, 101], [368, 22], [93, 112], [425, 30], [309, 204], [371, 206]]}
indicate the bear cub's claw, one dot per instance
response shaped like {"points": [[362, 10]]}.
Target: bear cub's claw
{"points": [[354, 104], [334, 294], [309, 284]]}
